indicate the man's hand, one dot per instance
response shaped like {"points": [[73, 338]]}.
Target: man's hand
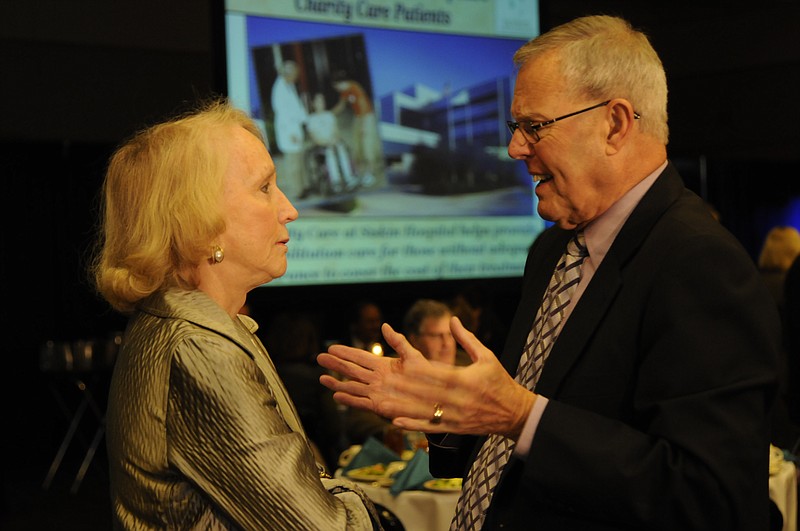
{"points": [[478, 399]]}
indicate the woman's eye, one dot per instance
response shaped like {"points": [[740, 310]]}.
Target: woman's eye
{"points": [[265, 188]]}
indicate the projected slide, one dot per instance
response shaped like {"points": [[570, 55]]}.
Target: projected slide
{"points": [[387, 127]]}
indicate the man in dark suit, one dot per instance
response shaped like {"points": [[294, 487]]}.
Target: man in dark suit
{"points": [[639, 400]]}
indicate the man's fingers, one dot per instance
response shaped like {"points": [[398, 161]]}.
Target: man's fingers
{"points": [[359, 402], [355, 355], [348, 369], [467, 339], [400, 344], [353, 387], [391, 336]]}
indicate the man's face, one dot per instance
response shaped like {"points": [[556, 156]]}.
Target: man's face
{"points": [[435, 340], [568, 161]]}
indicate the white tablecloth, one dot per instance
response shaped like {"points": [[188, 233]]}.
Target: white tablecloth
{"points": [[783, 491], [418, 510]]}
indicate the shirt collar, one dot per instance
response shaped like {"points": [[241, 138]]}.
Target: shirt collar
{"points": [[600, 234]]}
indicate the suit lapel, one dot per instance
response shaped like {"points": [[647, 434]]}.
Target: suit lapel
{"points": [[585, 317]]}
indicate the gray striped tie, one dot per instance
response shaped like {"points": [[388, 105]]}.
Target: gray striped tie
{"points": [[495, 452]]}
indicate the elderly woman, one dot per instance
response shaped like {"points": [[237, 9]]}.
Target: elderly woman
{"points": [[201, 431]]}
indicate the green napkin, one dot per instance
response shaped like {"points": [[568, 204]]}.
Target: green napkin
{"points": [[372, 452], [414, 475]]}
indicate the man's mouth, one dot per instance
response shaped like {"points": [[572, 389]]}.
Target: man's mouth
{"points": [[541, 177]]}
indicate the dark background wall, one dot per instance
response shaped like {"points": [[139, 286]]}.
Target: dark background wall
{"points": [[77, 76]]}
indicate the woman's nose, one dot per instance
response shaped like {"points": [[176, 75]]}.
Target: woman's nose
{"points": [[291, 213]]}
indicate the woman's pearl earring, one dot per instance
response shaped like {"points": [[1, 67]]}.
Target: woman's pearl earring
{"points": [[218, 255]]}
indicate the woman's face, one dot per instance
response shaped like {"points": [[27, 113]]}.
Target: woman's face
{"points": [[256, 213]]}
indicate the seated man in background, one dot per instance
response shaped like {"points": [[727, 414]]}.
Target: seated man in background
{"points": [[427, 327]]}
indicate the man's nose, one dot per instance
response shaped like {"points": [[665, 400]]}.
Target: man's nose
{"points": [[518, 147]]}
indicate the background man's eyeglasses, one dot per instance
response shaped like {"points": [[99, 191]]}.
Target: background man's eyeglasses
{"points": [[530, 130], [440, 337]]}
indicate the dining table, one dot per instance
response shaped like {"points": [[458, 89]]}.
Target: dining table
{"points": [[417, 510], [420, 509]]}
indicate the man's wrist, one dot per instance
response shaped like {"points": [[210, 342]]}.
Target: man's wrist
{"points": [[525, 404]]}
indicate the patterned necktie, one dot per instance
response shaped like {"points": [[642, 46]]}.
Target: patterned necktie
{"points": [[496, 450]]}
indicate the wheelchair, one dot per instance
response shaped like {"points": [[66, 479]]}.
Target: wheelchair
{"points": [[331, 171]]}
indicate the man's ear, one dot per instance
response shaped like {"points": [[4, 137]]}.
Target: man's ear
{"points": [[621, 119]]}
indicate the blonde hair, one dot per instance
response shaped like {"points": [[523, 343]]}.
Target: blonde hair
{"points": [[781, 247], [602, 58], [161, 204]]}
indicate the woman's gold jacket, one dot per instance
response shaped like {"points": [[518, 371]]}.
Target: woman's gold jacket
{"points": [[202, 434]]}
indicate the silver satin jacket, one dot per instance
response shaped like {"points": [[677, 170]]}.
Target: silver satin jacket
{"points": [[202, 435]]}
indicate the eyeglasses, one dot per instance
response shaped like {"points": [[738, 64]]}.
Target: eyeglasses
{"points": [[530, 130], [441, 337]]}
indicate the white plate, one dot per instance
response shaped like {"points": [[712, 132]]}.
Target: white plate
{"points": [[367, 473], [443, 485], [371, 473]]}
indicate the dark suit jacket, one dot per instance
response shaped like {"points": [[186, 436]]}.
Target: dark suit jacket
{"points": [[659, 384], [792, 338]]}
